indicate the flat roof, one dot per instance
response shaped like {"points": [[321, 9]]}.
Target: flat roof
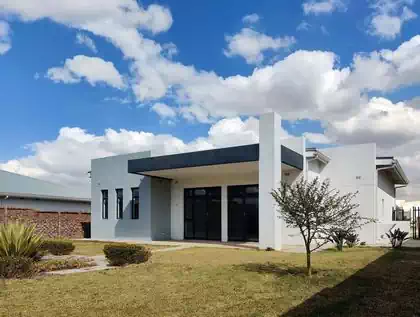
{"points": [[237, 154], [16, 185]]}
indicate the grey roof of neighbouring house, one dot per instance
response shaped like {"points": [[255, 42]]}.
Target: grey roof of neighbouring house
{"points": [[16, 185]]}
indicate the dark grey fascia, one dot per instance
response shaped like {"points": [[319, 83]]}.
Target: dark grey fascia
{"points": [[237, 154]]}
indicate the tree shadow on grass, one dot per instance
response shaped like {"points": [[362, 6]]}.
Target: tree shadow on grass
{"points": [[389, 286]]}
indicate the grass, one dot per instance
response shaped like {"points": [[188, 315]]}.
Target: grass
{"points": [[91, 248], [226, 282]]}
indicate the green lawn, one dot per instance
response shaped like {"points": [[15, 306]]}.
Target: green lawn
{"points": [[91, 248], [226, 282]]}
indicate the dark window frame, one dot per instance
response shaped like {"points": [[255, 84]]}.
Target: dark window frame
{"points": [[135, 203], [105, 200], [119, 203]]}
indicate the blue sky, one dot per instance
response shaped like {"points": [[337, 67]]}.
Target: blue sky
{"points": [[212, 40]]}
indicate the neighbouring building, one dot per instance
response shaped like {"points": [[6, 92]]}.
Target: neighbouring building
{"points": [[224, 194], [56, 210]]}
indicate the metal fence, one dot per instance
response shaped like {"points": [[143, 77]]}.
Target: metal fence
{"points": [[412, 215], [399, 214], [415, 222]]}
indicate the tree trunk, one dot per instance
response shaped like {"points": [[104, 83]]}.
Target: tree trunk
{"points": [[340, 245], [308, 262]]}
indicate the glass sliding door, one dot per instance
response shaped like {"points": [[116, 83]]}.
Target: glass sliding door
{"points": [[202, 213], [243, 213]]}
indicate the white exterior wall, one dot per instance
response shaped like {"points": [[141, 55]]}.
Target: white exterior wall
{"points": [[352, 168], [111, 173], [46, 205]]}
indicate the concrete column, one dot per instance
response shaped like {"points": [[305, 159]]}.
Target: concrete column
{"points": [[269, 178], [224, 214], [177, 211]]}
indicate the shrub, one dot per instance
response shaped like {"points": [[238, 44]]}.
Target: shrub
{"points": [[16, 267], [397, 237], [58, 246], [338, 237], [352, 239], [119, 254], [63, 264], [19, 240]]}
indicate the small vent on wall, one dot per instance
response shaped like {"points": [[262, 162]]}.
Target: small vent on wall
{"points": [[358, 177]]}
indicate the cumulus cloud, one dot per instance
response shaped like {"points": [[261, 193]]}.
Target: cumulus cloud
{"points": [[389, 17], [5, 41], [251, 18], [317, 138], [84, 39], [67, 158], [304, 84], [386, 70], [381, 121], [163, 110], [251, 45], [317, 7], [93, 69]]}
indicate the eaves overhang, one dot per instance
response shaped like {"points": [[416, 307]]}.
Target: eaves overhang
{"points": [[230, 155]]}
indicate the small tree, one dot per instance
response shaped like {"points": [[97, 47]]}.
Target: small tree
{"points": [[317, 210]]}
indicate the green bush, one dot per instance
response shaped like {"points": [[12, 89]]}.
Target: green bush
{"points": [[58, 246], [352, 239], [119, 254], [16, 267], [63, 264], [19, 240]]}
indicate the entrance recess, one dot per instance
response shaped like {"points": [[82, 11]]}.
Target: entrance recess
{"points": [[202, 213], [243, 213]]}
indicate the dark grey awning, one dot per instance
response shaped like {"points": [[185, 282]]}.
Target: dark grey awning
{"points": [[238, 154]]}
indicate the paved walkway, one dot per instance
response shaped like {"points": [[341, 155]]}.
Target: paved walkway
{"points": [[412, 243], [100, 260]]}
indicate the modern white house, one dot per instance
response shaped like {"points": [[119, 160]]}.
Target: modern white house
{"points": [[224, 194]]}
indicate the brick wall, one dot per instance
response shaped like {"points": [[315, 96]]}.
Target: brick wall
{"points": [[49, 223]]}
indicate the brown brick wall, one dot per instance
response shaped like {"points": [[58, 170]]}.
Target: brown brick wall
{"points": [[49, 223]]}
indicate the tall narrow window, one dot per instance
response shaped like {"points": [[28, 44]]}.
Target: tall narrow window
{"points": [[120, 200], [135, 211], [104, 203]]}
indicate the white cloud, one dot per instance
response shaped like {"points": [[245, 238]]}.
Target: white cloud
{"points": [[67, 158], [123, 101], [381, 121], [251, 45], [317, 138], [76, 13], [317, 7], [84, 39], [163, 110], [389, 17], [93, 69], [304, 84], [251, 18], [5, 42], [387, 70], [303, 26]]}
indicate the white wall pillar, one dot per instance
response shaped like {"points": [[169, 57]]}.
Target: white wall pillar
{"points": [[177, 211], [269, 178], [224, 214]]}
